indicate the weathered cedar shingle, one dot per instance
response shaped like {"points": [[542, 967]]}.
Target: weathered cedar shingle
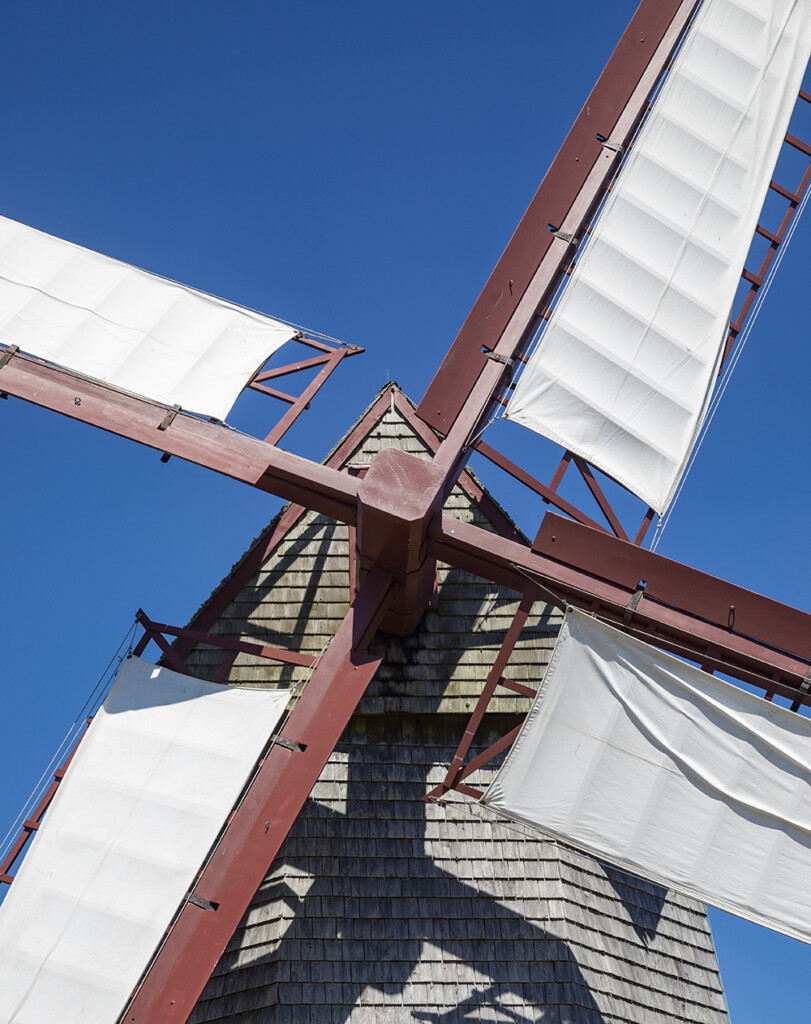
{"points": [[381, 907]]}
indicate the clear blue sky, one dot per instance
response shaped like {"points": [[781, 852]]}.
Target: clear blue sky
{"points": [[356, 167]]}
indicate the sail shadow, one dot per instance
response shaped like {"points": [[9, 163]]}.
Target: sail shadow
{"points": [[360, 915], [642, 899], [471, 1009]]}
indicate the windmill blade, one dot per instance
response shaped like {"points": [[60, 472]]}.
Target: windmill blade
{"points": [[151, 849], [113, 346], [139, 332], [142, 803], [624, 370], [202, 442], [636, 756], [511, 302]]}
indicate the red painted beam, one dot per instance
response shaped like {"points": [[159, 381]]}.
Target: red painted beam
{"points": [[303, 401], [754, 638], [261, 822], [548, 493], [286, 370], [203, 442], [585, 471], [494, 677], [196, 636], [638, 56], [670, 582], [482, 396]]}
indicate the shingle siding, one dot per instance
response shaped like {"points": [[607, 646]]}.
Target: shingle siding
{"points": [[382, 907]]}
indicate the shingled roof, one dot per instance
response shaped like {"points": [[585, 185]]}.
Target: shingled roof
{"points": [[382, 907]]}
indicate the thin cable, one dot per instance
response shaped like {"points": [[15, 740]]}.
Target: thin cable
{"points": [[733, 362], [92, 703], [90, 706], [35, 794], [554, 599], [471, 441]]}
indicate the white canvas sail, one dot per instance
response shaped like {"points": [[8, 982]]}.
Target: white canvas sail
{"points": [[143, 801], [625, 367], [666, 771], [132, 329]]}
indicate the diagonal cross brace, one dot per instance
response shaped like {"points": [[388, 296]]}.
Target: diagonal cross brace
{"points": [[494, 677]]}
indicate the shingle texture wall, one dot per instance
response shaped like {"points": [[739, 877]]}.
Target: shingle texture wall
{"points": [[381, 907]]}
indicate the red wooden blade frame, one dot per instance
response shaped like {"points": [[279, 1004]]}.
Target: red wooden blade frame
{"points": [[329, 360], [527, 273], [401, 530]]}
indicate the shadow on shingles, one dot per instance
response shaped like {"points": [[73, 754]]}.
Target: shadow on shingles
{"points": [[632, 889], [374, 948], [471, 1008], [523, 968]]}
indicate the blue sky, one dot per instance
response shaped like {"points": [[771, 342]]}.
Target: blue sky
{"points": [[356, 167]]}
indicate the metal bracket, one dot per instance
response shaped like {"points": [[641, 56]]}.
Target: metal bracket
{"points": [[297, 748], [10, 351], [635, 599], [564, 237], [615, 147], [802, 690], [499, 359], [169, 417], [198, 901]]}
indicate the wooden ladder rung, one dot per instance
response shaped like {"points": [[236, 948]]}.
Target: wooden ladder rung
{"points": [[792, 197], [798, 144]]}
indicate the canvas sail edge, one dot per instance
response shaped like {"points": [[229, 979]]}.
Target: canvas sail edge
{"points": [[666, 771], [683, 210], [145, 797], [127, 327]]}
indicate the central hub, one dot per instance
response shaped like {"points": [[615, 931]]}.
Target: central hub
{"points": [[396, 501]]}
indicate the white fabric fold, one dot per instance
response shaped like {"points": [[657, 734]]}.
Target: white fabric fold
{"points": [[637, 757], [625, 367], [132, 329], [144, 799]]}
